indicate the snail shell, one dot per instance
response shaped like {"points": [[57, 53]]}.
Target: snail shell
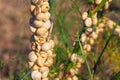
{"points": [[32, 29], [30, 64], [106, 5], [94, 20], [40, 61], [80, 60], [50, 53], [35, 67], [91, 40], [110, 24], [87, 47], [43, 16], [32, 56], [39, 39], [32, 8], [94, 35], [52, 43], [34, 1], [98, 1], [46, 46], [43, 1], [47, 24], [72, 71], [109, 0], [84, 15], [41, 31], [89, 30], [36, 46], [75, 78], [45, 74], [117, 31], [57, 78], [36, 75], [37, 11], [101, 25], [45, 78], [88, 22], [78, 65], [43, 54], [60, 75], [83, 37], [74, 58], [38, 24], [44, 69], [49, 62], [69, 78], [45, 7]]}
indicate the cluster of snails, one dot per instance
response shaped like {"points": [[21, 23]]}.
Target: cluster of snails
{"points": [[41, 57], [91, 32], [72, 74]]}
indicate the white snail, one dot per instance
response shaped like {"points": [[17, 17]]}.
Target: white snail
{"points": [[98, 1], [46, 46], [41, 31], [36, 75], [74, 58], [84, 15], [32, 56], [88, 22]]}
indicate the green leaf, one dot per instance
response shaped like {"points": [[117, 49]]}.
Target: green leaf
{"points": [[116, 76]]}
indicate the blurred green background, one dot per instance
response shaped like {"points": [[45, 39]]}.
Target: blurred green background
{"points": [[15, 35]]}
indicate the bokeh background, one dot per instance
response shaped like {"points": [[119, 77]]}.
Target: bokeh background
{"points": [[15, 35]]}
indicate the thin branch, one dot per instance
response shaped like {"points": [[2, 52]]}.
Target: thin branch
{"points": [[87, 64], [102, 52]]}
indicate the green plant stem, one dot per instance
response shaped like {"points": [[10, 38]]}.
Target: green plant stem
{"points": [[101, 53], [99, 6], [87, 64]]}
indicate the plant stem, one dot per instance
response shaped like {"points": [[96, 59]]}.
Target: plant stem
{"points": [[101, 53], [87, 64]]}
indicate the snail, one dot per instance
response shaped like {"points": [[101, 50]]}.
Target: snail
{"points": [[45, 7], [75, 78], [88, 22], [94, 20], [84, 15], [37, 23], [46, 46], [45, 74], [106, 5], [43, 16], [36, 75], [41, 31], [45, 78], [98, 1], [69, 78], [83, 37], [74, 58], [44, 69], [32, 56], [40, 61], [32, 29]]}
